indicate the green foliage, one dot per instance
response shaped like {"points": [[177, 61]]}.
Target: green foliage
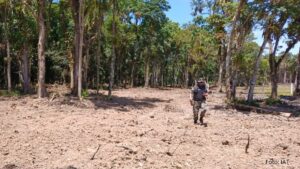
{"points": [[144, 35], [272, 102], [249, 103], [85, 93], [13, 93]]}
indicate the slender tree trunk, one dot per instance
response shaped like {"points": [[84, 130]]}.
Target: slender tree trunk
{"points": [[113, 52], [78, 15], [228, 74], [132, 75], [8, 57], [8, 70], [221, 66], [186, 73], [99, 51], [98, 56], [71, 67], [86, 65], [25, 69], [41, 49], [81, 30], [147, 72], [284, 76], [297, 86], [75, 9], [255, 70]]}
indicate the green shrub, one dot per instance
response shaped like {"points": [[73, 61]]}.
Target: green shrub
{"points": [[271, 102], [248, 103], [85, 93], [10, 94]]}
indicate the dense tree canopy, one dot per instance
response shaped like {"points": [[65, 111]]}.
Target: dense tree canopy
{"points": [[121, 43]]}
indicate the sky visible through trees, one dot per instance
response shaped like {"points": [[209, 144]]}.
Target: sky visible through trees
{"points": [[181, 12]]}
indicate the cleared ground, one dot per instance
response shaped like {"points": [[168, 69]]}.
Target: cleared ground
{"points": [[141, 128]]}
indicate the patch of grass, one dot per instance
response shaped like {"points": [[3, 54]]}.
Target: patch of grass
{"points": [[6, 93], [248, 103], [85, 93], [272, 102], [283, 89]]}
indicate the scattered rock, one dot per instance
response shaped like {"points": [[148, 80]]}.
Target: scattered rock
{"points": [[169, 154], [283, 146], [225, 142], [13, 106], [10, 166]]}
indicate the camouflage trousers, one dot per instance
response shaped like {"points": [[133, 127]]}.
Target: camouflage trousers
{"points": [[199, 105]]}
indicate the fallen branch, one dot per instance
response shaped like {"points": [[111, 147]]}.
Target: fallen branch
{"points": [[171, 154], [247, 145], [93, 157]]}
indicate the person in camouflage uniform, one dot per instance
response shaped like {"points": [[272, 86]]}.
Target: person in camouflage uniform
{"points": [[198, 99]]}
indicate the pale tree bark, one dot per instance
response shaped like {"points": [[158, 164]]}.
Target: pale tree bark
{"points": [[78, 15], [41, 49], [297, 84], [81, 30], [256, 69], [274, 66], [113, 52], [8, 69], [147, 72], [186, 73], [229, 52], [8, 57]]}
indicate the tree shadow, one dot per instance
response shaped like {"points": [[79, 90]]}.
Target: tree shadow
{"points": [[124, 103]]}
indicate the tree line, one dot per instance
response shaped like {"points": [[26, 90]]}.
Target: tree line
{"points": [[126, 43]]}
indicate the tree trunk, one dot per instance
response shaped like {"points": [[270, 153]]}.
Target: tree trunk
{"points": [[228, 74], [113, 52], [8, 70], [76, 47], [41, 50], [98, 56], [86, 61], [78, 16], [25, 69], [132, 75], [71, 67], [8, 58], [81, 30], [147, 73], [221, 66], [255, 70], [186, 73], [284, 75], [297, 86]]}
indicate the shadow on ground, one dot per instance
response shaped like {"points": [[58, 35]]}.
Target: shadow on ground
{"points": [[123, 103]]}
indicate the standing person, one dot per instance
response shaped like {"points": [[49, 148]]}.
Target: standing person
{"points": [[198, 98]]}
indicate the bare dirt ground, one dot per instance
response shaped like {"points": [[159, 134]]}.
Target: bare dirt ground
{"points": [[141, 128]]}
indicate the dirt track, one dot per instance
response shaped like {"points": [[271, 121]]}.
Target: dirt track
{"points": [[141, 128]]}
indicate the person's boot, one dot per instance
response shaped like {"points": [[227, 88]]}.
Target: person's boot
{"points": [[195, 121], [201, 120]]}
